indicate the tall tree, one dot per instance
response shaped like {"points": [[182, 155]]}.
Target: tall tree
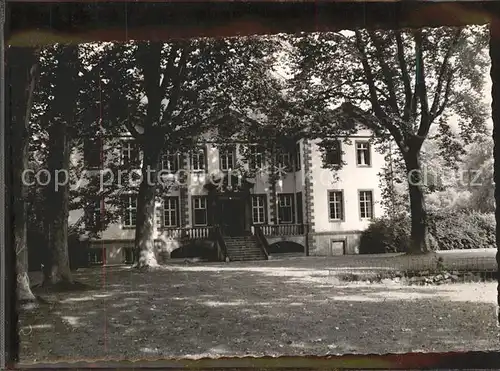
{"points": [[23, 69], [166, 95], [66, 117], [400, 83], [54, 120]]}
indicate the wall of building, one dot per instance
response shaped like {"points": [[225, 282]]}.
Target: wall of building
{"points": [[313, 180], [350, 180]]}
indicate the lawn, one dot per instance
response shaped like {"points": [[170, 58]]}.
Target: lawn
{"points": [[289, 307]]}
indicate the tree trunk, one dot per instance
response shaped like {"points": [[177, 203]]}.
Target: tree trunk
{"points": [[20, 162], [61, 114], [145, 256], [495, 111], [58, 269], [23, 66], [419, 230]]}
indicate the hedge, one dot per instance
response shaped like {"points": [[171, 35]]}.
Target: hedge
{"points": [[448, 230]]}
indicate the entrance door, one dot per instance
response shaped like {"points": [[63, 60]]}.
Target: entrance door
{"points": [[337, 247], [232, 217]]}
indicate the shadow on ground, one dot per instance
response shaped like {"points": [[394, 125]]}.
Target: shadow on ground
{"points": [[236, 310]]}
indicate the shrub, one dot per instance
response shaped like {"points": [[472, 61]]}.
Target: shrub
{"points": [[386, 235], [449, 230]]}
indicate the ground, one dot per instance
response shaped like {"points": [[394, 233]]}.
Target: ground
{"points": [[277, 307]]}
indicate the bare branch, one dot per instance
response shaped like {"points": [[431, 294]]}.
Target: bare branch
{"points": [[407, 111], [383, 94], [442, 72], [148, 59], [169, 69], [379, 112], [386, 71], [333, 92], [421, 88], [447, 91], [369, 76], [131, 128], [175, 92]]}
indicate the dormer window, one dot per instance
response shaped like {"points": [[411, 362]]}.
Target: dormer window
{"points": [[198, 159], [363, 155], [333, 153], [256, 158], [227, 157], [170, 161], [129, 153], [284, 159], [92, 153]]}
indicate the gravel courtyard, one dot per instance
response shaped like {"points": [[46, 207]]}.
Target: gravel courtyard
{"points": [[255, 308]]}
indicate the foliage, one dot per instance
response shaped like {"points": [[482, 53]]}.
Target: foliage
{"points": [[462, 230], [393, 185], [449, 229], [478, 166], [399, 83], [197, 82], [449, 200], [386, 235]]}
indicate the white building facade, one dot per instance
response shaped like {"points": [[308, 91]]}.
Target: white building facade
{"points": [[307, 204]]}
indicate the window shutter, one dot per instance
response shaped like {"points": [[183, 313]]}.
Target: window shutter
{"points": [[180, 158], [205, 159], [159, 215]]}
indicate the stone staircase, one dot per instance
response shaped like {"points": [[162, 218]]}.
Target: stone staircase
{"points": [[244, 248]]}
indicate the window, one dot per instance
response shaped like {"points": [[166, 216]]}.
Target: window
{"points": [[259, 209], [171, 212], [283, 159], [198, 159], [336, 205], [285, 208], [129, 210], [92, 153], [297, 156], [300, 212], [366, 204], [256, 158], [199, 211], [129, 153], [226, 157], [94, 213], [363, 154], [170, 161], [333, 153]]}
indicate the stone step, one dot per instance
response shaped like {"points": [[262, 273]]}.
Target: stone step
{"points": [[239, 239], [245, 247], [238, 258], [254, 251], [245, 253], [248, 252]]}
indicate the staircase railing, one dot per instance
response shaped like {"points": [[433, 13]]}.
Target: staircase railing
{"points": [[220, 243], [189, 233], [283, 229], [263, 244]]}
